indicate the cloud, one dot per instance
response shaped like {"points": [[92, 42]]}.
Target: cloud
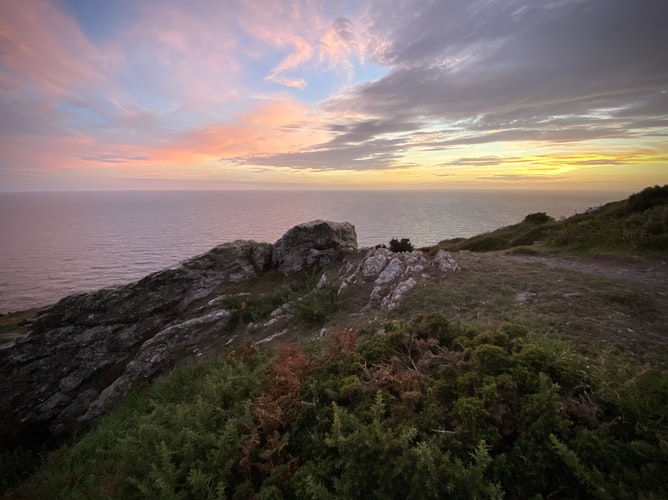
{"points": [[48, 51], [526, 178], [299, 85], [311, 39], [475, 73], [113, 159], [370, 155]]}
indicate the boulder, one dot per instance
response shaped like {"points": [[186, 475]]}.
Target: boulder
{"points": [[314, 243]]}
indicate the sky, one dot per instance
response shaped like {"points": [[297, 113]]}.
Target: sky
{"points": [[335, 94]]}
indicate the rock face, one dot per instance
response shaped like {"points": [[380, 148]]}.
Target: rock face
{"points": [[394, 275], [312, 244], [89, 348], [84, 353]]}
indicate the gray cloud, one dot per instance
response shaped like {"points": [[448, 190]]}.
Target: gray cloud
{"points": [[108, 158], [468, 72], [371, 154], [520, 177]]}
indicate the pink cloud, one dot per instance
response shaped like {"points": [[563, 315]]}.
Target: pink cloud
{"points": [[313, 41], [189, 55], [48, 50], [273, 126]]}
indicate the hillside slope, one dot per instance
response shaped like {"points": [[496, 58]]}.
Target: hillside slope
{"points": [[638, 224]]}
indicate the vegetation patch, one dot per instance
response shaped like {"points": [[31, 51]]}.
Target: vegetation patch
{"points": [[428, 409], [401, 245], [637, 224]]}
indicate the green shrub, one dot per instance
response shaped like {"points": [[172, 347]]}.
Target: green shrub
{"points": [[402, 245], [485, 244], [538, 218], [314, 308], [648, 198], [406, 414], [434, 325]]}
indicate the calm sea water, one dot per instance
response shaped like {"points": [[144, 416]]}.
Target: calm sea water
{"points": [[55, 244]]}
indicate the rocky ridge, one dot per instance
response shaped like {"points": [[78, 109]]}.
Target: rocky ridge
{"points": [[85, 352]]}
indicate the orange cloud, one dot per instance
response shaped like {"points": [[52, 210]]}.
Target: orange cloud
{"points": [[274, 126]]}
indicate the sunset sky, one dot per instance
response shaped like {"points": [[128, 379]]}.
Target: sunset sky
{"points": [[238, 94]]}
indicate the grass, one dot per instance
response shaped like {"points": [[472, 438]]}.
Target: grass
{"points": [[595, 311], [12, 325], [638, 224]]}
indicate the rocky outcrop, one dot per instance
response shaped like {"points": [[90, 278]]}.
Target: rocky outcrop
{"points": [[89, 348], [85, 352], [314, 243], [394, 275], [160, 350]]}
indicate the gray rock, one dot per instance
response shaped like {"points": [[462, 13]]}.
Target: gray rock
{"points": [[375, 261], [524, 297], [394, 298], [400, 275], [392, 271], [323, 282], [445, 261], [91, 347], [85, 352], [158, 352], [313, 243]]}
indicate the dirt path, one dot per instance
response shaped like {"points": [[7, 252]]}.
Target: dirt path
{"points": [[633, 268]]}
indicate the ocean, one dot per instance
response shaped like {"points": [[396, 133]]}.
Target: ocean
{"points": [[53, 244]]}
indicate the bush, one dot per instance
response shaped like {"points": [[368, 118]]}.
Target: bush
{"points": [[402, 245], [486, 244], [314, 308], [538, 218], [403, 414], [648, 198]]}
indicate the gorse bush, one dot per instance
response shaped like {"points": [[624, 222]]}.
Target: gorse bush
{"points": [[316, 306], [429, 409]]}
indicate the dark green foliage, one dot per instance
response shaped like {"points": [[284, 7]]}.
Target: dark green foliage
{"points": [[402, 245], [315, 307], [435, 325], [429, 409], [538, 218], [648, 198], [485, 243], [244, 310], [181, 439]]}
